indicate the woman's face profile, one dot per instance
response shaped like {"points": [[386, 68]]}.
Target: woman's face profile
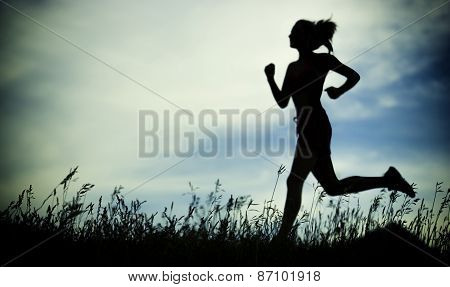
{"points": [[296, 37]]}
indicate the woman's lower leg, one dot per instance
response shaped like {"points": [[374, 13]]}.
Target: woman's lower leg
{"points": [[354, 184], [292, 206]]}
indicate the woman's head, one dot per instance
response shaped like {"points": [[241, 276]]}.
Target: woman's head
{"points": [[309, 36]]}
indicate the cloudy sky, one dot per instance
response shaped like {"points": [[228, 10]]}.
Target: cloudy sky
{"points": [[75, 74]]}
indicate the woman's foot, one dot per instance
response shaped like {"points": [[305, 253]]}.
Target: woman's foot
{"points": [[397, 182]]}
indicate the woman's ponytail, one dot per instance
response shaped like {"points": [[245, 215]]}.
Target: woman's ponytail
{"points": [[324, 31]]}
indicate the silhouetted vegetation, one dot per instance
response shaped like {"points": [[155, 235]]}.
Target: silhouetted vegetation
{"points": [[223, 231]]}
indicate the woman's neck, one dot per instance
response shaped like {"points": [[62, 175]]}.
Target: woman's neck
{"points": [[304, 54]]}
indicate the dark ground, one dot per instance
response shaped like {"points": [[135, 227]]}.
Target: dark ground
{"points": [[383, 248]]}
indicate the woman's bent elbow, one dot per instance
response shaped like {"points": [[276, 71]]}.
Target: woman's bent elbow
{"points": [[356, 77], [282, 105]]}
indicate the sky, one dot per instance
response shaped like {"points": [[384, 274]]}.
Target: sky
{"points": [[76, 74]]}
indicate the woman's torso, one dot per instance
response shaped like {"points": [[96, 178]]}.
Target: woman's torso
{"points": [[307, 77]]}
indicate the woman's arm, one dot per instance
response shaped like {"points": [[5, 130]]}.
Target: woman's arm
{"points": [[351, 75], [280, 96]]}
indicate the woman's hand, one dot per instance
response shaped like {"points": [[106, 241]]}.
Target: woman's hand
{"points": [[333, 92], [270, 70]]}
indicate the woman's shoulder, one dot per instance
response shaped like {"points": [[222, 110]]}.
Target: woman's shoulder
{"points": [[293, 64], [328, 60], [292, 67]]}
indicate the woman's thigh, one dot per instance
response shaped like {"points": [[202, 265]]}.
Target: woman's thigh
{"points": [[301, 167], [323, 171]]}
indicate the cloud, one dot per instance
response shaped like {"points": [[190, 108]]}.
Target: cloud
{"points": [[61, 108], [387, 102]]}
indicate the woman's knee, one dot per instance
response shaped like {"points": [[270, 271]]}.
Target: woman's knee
{"points": [[294, 180], [332, 189]]}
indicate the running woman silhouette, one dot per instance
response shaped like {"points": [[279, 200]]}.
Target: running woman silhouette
{"points": [[303, 83]]}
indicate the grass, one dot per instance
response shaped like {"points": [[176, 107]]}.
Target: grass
{"points": [[223, 231]]}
